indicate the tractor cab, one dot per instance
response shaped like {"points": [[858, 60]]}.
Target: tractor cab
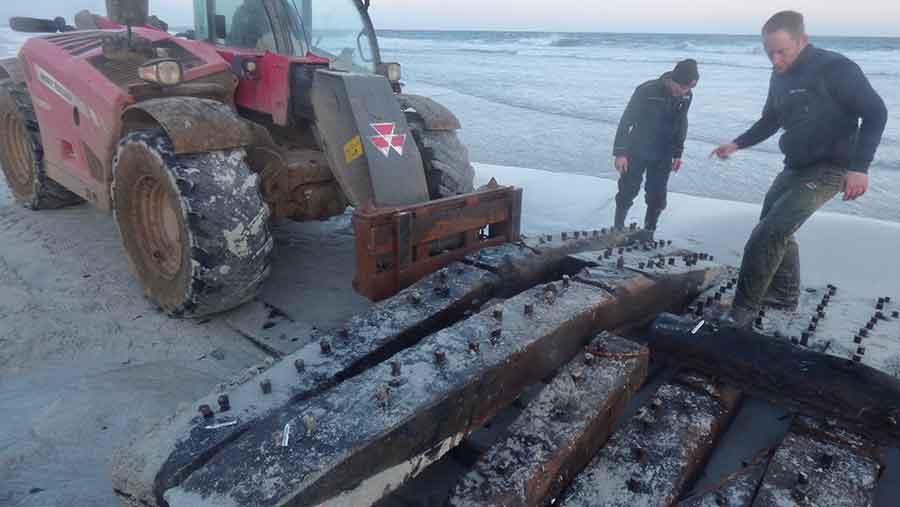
{"points": [[338, 30]]}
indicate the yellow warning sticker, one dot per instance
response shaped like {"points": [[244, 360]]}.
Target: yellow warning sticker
{"points": [[353, 149]]}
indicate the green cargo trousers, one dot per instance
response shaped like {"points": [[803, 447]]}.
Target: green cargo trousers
{"points": [[770, 269]]}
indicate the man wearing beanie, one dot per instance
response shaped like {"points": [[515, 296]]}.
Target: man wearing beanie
{"points": [[833, 121], [650, 140]]}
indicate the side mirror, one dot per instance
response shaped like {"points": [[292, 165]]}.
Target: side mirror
{"points": [[128, 12], [221, 29]]}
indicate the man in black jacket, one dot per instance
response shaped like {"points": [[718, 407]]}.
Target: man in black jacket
{"points": [[651, 139], [833, 121]]}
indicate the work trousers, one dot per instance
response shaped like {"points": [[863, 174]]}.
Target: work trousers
{"points": [[770, 268], [654, 191]]}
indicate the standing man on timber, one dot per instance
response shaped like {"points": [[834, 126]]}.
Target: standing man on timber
{"points": [[833, 121], [651, 139]]}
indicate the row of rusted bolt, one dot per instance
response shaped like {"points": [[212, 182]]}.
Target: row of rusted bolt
{"points": [[697, 309], [575, 235], [224, 406]]}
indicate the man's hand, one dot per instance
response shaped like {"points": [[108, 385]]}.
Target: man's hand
{"points": [[855, 185], [676, 164], [724, 151], [622, 164]]}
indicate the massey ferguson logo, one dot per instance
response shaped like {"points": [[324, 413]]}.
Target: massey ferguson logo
{"points": [[386, 140]]}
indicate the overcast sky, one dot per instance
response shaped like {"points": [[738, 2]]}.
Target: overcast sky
{"points": [[858, 17]]}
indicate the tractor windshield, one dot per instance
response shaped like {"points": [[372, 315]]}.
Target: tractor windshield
{"points": [[339, 30]]}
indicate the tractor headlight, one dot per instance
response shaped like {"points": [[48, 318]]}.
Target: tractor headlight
{"points": [[166, 72], [391, 71]]}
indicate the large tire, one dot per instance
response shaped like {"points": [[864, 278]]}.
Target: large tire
{"points": [[446, 159], [195, 227], [22, 154]]}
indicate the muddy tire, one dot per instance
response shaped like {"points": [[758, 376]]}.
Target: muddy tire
{"points": [[446, 159], [22, 154], [195, 227]]}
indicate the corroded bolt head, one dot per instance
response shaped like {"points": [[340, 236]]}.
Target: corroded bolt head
{"points": [[205, 411], [440, 357], [528, 309], [879, 306], [804, 338], [814, 319], [596, 233], [880, 301], [879, 315], [759, 322], [266, 386], [576, 234], [414, 297], [325, 347], [621, 251], [671, 261], [857, 339], [861, 351], [224, 403], [864, 332], [584, 233], [870, 325], [802, 478], [857, 358], [566, 279], [762, 313], [442, 275], [722, 500], [827, 461], [794, 340], [299, 365], [635, 485], [496, 334], [474, 346], [498, 313], [603, 230], [542, 240], [640, 265], [395, 368], [633, 226], [718, 296], [549, 237], [639, 454], [442, 291], [895, 314], [565, 236], [812, 327], [711, 258], [887, 299], [820, 314], [620, 263], [710, 300]]}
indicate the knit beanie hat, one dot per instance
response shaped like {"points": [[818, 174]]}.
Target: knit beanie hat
{"points": [[685, 72]]}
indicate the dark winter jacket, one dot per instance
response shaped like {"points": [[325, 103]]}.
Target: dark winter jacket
{"points": [[654, 125], [819, 102]]}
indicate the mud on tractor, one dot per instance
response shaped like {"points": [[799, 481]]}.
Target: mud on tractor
{"points": [[265, 109]]}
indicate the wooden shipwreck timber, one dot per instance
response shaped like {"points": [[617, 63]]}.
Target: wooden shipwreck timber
{"points": [[614, 401]]}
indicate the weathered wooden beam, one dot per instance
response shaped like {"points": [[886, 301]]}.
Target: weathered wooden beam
{"points": [[736, 490], [792, 376], [366, 436], [818, 466], [160, 460], [560, 431], [648, 461]]}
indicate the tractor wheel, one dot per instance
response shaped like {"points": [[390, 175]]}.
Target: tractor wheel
{"points": [[446, 159], [22, 154], [195, 227]]}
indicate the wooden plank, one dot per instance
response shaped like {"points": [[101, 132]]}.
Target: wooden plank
{"points": [[372, 432], [793, 376], [560, 431], [163, 458], [648, 461], [821, 467]]}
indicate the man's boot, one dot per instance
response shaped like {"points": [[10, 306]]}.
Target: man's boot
{"points": [[652, 218], [621, 213]]}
